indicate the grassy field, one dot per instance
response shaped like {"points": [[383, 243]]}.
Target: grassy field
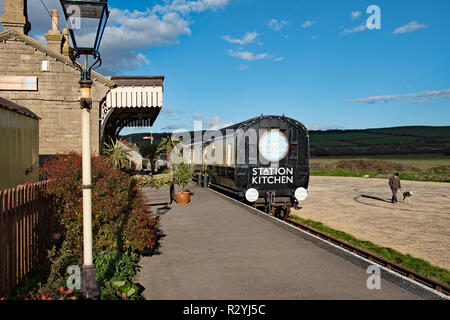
{"points": [[356, 139], [414, 139], [421, 161], [382, 135], [419, 167], [419, 265]]}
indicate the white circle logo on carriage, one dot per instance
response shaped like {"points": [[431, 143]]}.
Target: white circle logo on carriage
{"points": [[273, 145], [252, 195], [301, 194]]}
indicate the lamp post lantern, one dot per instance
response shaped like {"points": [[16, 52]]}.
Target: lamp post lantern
{"points": [[86, 21]]}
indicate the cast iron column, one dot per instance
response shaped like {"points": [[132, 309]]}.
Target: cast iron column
{"points": [[89, 287]]}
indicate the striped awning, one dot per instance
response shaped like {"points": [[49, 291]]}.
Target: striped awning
{"points": [[134, 102], [135, 97]]}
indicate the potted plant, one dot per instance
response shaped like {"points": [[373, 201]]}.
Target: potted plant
{"points": [[204, 180], [198, 176], [182, 176]]}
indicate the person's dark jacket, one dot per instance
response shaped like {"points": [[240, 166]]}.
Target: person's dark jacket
{"points": [[394, 183]]}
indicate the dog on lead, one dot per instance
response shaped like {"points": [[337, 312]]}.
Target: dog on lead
{"points": [[407, 195]]}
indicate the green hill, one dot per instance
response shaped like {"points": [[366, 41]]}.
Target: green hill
{"points": [[398, 140], [139, 137]]}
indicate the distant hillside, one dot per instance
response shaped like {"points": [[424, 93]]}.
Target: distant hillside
{"points": [[139, 137], [398, 140]]}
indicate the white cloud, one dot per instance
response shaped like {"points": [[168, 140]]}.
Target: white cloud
{"points": [[173, 127], [242, 67], [429, 94], [418, 101], [187, 7], [425, 96], [324, 127], [354, 30], [410, 27], [247, 55], [129, 33], [276, 25], [173, 111], [211, 123], [279, 59], [372, 100], [249, 37], [355, 15], [307, 24]]}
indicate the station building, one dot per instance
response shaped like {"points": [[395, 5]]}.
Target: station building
{"points": [[42, 78]]}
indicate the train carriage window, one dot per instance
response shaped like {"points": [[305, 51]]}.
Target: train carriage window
{"points": [[205, 155], [218, 151], [252, 152], [229, 154]]}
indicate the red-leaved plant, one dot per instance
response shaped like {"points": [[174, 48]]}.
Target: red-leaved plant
{"points": [[119, 218]]}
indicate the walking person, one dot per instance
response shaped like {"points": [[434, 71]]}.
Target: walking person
{"points": [[394, 183]]}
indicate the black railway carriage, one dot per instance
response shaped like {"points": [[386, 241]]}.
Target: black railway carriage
{"points": [[264, 159]]}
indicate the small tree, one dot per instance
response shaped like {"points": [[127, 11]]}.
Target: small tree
{"points": [[116, 153], [167, 145], [183, 176], [149, 150]]}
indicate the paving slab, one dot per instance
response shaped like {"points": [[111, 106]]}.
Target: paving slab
{"points": [[215, 249]]}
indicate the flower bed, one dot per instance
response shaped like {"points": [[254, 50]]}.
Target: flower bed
{"points": [[122, 229], [156, 181]]}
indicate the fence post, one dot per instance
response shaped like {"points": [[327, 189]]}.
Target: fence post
{"points": [[3, 244], [25, 218]]}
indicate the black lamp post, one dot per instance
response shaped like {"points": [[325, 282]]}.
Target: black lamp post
{"points": [[86, 21]]}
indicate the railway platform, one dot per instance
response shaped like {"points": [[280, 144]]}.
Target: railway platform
{"points": [[213, 248]]}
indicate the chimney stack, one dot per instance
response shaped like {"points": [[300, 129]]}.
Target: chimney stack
{"points": [[66, 47], [15, 16], [54, 37]]}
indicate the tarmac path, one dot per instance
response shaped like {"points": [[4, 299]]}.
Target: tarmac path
{"points": [[215, 249]]}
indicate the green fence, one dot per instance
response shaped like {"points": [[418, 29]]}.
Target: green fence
{"points": [[19, 148]]}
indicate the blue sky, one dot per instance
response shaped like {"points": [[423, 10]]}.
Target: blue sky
{"points": [[316, 61]]}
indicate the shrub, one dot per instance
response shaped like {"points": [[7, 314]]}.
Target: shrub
{"points": [[183, 175], [117, 153], [119, 219], [156, 181], [114, 272]]}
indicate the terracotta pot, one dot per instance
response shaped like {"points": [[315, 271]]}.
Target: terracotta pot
{"points": [[182, 197]]}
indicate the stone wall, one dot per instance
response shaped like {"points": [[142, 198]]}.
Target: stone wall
{"points": [[56, 101]]}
